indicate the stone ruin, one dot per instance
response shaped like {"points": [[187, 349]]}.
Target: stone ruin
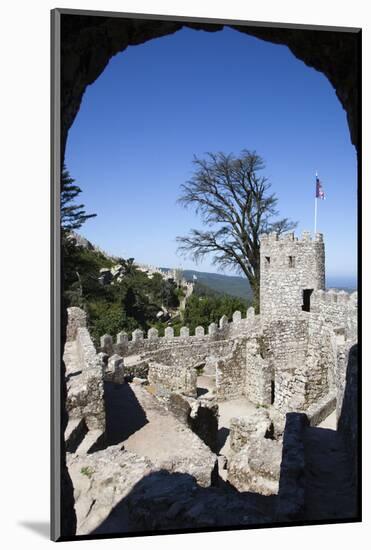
{"points": [[289, 359]]}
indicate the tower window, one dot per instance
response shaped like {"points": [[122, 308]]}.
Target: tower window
{"points": [[306, 299], [267, 260], [291, 261]]}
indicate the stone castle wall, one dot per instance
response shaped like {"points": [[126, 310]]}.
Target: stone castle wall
{"points": [[291, 363], [91, 401], [321, 359], [338, 308], [304, 358], [85, 399], [288, 266], [190, 354], [76, 319], [167, 379], [258, 374], [192, 348], [231, 372]]}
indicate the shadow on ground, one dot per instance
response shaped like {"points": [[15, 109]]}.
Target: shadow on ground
{"points": [[223, 433], [124, 414], [42, 528], [167, 501], [329, 489], [331, 458]]}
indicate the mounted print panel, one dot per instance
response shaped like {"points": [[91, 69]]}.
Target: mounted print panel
{"points": [[205, 275]]}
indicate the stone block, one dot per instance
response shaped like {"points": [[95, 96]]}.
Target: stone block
{"points": [[152, 334], [106, 343], [199, 332], [137, 335], [223, 321], [213, 329], [236, 316], [169, 332], [122, 338], [184, 332], [256, 467], [115, 370]]}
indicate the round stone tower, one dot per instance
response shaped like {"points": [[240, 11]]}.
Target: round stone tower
{"points": [[290, 269]]}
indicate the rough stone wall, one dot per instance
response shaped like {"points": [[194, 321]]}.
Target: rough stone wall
{"points": [[320, 359], [170, 378], [301, 353], [68, 520], [90, 401], [283, 343], [256, 467], [76, 319], [243, 429], [200, 415], [291, 492], [84, 375], [136, 369], [338, 308], [204, 422], [342, 366], [288, 266], [258, 378], [191, 354], [347, 413], [231, 372], [321, 409], [285, 340]]}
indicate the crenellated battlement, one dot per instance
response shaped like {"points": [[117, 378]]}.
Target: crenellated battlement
{"points": [[139, 341], [335, 296], [306, 237], [338, 308]]}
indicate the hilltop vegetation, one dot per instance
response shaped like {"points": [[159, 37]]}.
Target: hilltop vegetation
{"points": [[135, 299], [131, 302]]}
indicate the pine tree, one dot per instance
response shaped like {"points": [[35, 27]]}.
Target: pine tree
{"points": [[73, 216]]}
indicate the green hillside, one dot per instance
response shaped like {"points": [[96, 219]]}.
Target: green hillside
{"points": [[222, 284]]}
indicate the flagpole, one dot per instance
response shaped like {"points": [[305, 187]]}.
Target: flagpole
{"points": [[315, 207]]}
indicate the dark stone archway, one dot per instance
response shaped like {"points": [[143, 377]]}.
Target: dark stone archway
{"points": [[88, 43]]}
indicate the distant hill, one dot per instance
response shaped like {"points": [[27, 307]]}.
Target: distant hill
{"points": [[239, 286], [222, 284]]}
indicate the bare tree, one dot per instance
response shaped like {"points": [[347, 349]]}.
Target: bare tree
{"points": [[235, 204]]}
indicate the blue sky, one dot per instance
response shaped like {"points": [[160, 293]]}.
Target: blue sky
{"points": [[158, 104]]}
